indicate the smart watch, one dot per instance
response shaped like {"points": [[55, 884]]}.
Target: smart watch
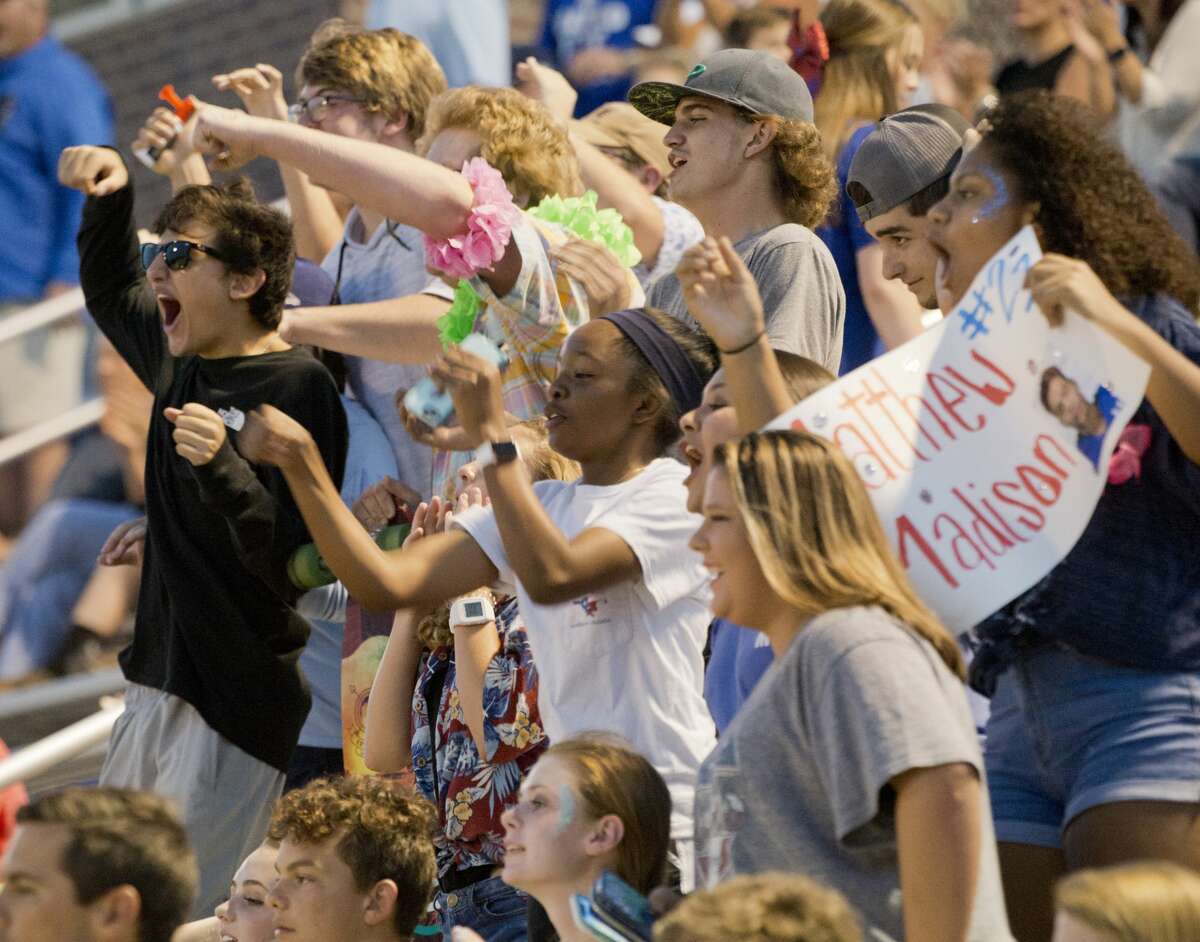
{"points": [[490, 453], [471, 610]]}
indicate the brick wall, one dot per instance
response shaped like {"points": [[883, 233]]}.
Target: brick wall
{"points": [[187, 45]]}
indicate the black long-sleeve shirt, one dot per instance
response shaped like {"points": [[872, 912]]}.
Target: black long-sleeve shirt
{"points": [[214, 624]]}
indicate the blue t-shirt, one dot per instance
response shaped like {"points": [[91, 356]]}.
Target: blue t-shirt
{"points": [[49, 99], [573, 25], [1129, 591], [1108, 404], [844, 234], [738, 657]]}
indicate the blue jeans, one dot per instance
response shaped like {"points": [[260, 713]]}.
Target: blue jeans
{"points": [[491, 907], [44, 576], [1068, 733]]}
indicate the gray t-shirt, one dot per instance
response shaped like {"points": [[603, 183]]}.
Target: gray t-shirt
{"points": [[799, 781], [390, 263], [802, 294]]}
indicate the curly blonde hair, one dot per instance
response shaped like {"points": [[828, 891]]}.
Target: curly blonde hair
{"points": [[765, 907], [519, 137], [804, 174], [392, 72]]}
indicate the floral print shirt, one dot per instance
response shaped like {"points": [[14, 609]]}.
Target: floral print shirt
{"points": [[471, 791]]}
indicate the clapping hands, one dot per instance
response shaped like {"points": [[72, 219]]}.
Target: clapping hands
{"points": [[436, 515]]}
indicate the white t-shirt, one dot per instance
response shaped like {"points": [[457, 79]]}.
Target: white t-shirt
{"points": [[628, 659]]}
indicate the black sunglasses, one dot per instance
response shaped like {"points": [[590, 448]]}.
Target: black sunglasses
{"points": [[176, 254]]}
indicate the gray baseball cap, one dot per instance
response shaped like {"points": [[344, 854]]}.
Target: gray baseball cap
{"points": [[757, 81], [909, 151]]}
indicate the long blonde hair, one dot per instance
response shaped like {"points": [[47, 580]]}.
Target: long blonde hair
{"points": [[815, 534], [1149, 901], [857, 84]]}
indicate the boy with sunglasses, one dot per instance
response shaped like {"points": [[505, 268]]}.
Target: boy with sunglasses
{"points": [[215, 699]]}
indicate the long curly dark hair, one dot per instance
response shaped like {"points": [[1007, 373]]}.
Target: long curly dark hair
{"points": [[1093, 204]]}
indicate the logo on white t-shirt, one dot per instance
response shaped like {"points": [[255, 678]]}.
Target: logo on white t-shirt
{"points": [[589, 604]]}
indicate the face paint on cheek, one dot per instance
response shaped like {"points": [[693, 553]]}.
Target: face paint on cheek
{"points": [[566, 807], [999, 196]]}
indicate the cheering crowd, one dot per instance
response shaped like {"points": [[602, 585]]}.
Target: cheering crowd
{"points": [[632, 633]]}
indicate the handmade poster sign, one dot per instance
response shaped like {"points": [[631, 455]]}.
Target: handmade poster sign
{"points": [[985, 442]]}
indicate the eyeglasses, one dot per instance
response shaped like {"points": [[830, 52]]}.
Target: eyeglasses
{"points": [[317, 107], [176, 254]]}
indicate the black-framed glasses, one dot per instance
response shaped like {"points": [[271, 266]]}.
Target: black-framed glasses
{"points": [[176, 254], [315, 108]]}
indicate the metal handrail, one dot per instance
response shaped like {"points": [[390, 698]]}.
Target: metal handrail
{"points": [[60, 426], [52, 694], [41, 314], [57, 748]]}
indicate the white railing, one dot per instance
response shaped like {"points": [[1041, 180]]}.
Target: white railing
{"points": [[57, 748], [67, 423]]}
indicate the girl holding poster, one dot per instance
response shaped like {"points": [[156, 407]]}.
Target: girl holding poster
{"points": [[1094, 736]]}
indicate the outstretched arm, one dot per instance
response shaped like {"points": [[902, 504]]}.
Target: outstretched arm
{"points": [[430, 571], [398, 330], [315, 220], [405, 188], [551, 568]]}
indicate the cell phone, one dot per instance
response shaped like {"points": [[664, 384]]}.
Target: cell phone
{"points": [[622, 907], [432, 405], [586, 919]]}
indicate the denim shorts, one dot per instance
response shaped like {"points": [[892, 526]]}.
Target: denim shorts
{"points": [[491, 907], [1068, 733]]}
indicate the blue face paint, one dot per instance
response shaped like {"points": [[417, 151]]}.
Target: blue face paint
{"points": [[566, 807], [999, 195]]}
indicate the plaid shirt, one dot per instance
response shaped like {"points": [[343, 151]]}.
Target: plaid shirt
{"points": [[532, 321]]}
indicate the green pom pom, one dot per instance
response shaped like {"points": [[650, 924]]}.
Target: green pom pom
{"points": [[579, 215], [459, 321]]}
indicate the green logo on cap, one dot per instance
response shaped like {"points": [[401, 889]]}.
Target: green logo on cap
{"points": [[698, 70]]}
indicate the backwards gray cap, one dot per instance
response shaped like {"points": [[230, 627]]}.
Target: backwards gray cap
{"points": [[909, 151], [757, 81]]}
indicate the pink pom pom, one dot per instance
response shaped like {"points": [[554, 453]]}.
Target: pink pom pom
{"points": [[489, 227]]}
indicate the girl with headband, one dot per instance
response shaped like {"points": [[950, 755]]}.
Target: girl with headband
{"points": [[614, 602]]}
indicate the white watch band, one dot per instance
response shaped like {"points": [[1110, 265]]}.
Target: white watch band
{"points": [[472, 610]]}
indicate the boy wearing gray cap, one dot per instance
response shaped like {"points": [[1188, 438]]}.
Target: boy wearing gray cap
{"points": [[901, 170], [746, 160]]}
